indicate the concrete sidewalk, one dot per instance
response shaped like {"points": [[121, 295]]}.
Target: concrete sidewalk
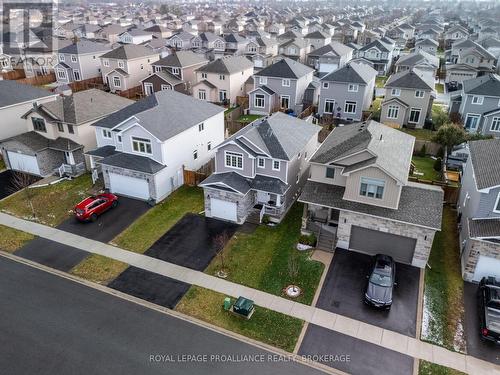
{"points": [[339, 323]]}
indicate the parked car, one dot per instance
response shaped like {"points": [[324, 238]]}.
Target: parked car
{"points": [[489, 309], [90, 208], [381, 282]]}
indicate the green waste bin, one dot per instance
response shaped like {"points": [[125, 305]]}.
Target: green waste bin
{"points": [[243, 306], [227, 303]]}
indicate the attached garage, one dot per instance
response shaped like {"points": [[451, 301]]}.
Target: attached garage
{"points": [[373, 242], [486, 266], [129, 186], [223, 210], [23, 163]]}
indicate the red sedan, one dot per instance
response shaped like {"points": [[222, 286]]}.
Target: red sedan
{"points": [[90, 208]]}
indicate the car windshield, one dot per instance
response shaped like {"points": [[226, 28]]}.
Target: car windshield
{"points": [[381, 279]]}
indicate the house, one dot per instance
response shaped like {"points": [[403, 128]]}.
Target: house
{"points": [[58, 132], [124, 67], [181, 40], [222, 80], [176, 71], [143, 148], [328, 58], [111, 33], [480, 105], [261, 50], [280, 86], [235, 44], [135, 36], [346, 92], [358, 196], [479, 211], [408, 99], [15, 100], [379, 53], [294, 49], [209, 41], [260, 169], [80, 61], [317, 39], [427, 45], [453, 34], [422, 61]]}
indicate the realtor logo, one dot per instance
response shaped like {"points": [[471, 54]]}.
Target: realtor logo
{"points": [[27, 27]]}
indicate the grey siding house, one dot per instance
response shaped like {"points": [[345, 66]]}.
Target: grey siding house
{"points": [[479, 211], [260, 169], [330, 57]]}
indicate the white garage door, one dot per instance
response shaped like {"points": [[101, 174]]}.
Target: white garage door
{"points": [[223, 210], [485, 267], [327, 68], [129, 186], [24, 163]]}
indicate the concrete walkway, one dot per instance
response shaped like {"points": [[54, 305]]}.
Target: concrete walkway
{"points": [[339, 323]]}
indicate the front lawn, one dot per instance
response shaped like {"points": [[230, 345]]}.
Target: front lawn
{"points": [[439, 88], [13, 239], [245, 119], [428, 368], [51, 204], [443, 315], [261, 259], [425, 165], [99, 269], [380, 81], [267, 326], [422, 134]]}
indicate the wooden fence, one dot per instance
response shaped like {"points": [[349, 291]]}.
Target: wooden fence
{"points": [[132, 93], [91, 83], [13, 74], [193, 178], [451, 192], [38, 80], [242, 101], [431, 148]]}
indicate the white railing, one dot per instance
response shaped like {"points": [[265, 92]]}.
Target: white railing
{"points": [[95, 176], [261, 214], [71, 169]]}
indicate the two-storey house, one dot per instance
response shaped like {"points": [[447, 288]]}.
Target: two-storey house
{"points": [[408, 99], [316, 39], [479, 211], [427, 45], [346, 92], [422, 61], [331, 57], [260, 169], [181, 40], [135, 36], [280, 86], [143, 148], [453, 34], [294, 49], [261, 51], [358, 196], [379, 53]]}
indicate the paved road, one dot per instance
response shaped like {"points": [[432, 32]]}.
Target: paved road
{"points": [[51, 325]]}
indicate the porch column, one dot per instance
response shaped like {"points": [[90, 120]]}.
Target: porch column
{"points": [[304, 217]]}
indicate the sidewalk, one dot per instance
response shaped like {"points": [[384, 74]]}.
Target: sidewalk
{"points": [[339, 323]]}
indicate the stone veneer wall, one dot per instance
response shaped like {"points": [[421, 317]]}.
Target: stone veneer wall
{"points": [[424, 236], [106, 169], [244, 203], [473, 249]]}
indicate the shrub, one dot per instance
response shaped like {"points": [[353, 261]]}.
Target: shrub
{"points": [[438, 164], [308, 239], [423, 151], [265, 219]]}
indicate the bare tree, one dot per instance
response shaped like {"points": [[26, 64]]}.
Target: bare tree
{"points": [[220, 242], [293, 269], [22, 181]]}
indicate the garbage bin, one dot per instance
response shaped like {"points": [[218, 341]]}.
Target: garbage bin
{"points": [[243, 306], [227, 303]]}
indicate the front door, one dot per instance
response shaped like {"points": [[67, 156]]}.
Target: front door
{"points": [[149, 89], [285, 102], [222, 95], [68, 155]]}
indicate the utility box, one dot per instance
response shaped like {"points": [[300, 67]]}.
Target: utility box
{"points": [[227, 303], [243, 307]]}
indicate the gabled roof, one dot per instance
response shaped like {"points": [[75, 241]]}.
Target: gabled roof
{"points": [[181, 59], [129, 52], [409, 79], [488, 85], [12, 93], [485, 158], [426, 42], [334, 47], [316, 35], [85, 46], [285, 68], [484, 228], [418, 57], [352, 73], [375, 44], [227, 65]]}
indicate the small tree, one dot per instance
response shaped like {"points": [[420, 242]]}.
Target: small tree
{"points": [[438, 164], [423, 150], [220, 242], [450, 135], [293, 269], [439, 117], [22, 181]]}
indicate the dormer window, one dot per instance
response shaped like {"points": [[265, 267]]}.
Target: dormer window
{"points": [[372, 188]]}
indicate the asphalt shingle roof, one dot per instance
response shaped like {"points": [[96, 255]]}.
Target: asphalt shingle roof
{"points": [[409, 79], [182, 59], [337, 48], [285, 68], [12, 93], [485, 158], [128, 52], [227, 65], [85, 46], [488, 84], [242, 184], [37, 142], [484, 228], [132, 162], [352, 73]]}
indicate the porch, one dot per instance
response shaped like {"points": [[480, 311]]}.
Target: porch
{"points": [[266, 204], [323, 222]]}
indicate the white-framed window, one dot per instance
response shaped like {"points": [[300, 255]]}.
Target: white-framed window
{"points": [[106, 134], [202, 94], [204, 75], [209, 146], [372, 188], [477, 100], [156, 69], [60, 127], [252, 48], [121, 64], [393, 112], [330, 172], [176, 71], [396, 92], [195, 154], [419, 94], [119, 138], [350, 107], [352, 87], [234, 160], [326, 85], [61, 57], [76, 75], [142, 145], [117, 81], [222, 77], [329, 106], [472, 121], [165, 87], [222, 95], [105, 62], [414, 115], [285, 101], [201, 127], [495, 124], [261, 162], [276, 165], [285, 82], [263, 80], [259, 101], [496, 208], [74, 59], [61, 74]]}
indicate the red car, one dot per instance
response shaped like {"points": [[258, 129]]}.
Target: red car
{"points": [[90, 208]]}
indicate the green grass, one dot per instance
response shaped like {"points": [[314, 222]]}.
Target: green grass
{"points": [[428, 368], [51, 204], [229, 110], [439, 88], [425, 165], [13, 239], [443, 293], [380, 81], [260, 259], [422, 134], [248, 118], [2, 165], [99, 269], [265, 325]]}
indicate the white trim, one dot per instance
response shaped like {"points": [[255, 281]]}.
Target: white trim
{"points": [[285, 82], [281, 98], [419, 114], [498, 124], [140, 152], [480, 99], [332, 101], [496, 204], [259, 158], [478, 115], [355, 87], [279, 165], [355, 107], [235, 154]]}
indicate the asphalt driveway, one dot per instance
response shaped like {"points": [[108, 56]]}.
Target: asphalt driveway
{"points": [[104, 229], [475, 346], [352, 355], [345, 284]]}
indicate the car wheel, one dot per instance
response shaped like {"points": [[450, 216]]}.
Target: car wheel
{"points": [[114, 204], [93, 217]]}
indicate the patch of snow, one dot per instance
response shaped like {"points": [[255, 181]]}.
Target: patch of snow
{"points": [[302, 247]]}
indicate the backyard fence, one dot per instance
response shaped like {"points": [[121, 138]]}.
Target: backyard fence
{"points": [[91, 83], [431, 148], [132, 93], [38, 80], [193, 178], [13, 74], [451, 192]]}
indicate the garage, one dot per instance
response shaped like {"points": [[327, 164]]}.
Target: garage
{"points": [[129, 186], [486, 266], [373, 242], [24, 163], [223, 209]]}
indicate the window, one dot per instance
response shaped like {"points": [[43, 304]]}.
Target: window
{"points": [[142, 145], [234, 160], [414, 115], [350, 107], [263, 80], [195, 154], [39, 124], [222, 77], [396, 92], [60, 127], [330, 172], [252, 48], [372, 188], [176, 71], [76, 75], [119, 139], [495, 124], [61, 74], [201, 127], [329, 106], [121, 64], [222, 95], [285, 101], [472, 121], [285, 82], [259, 101], [105, 62], [204, 75], [165, 87], [71, 130], [261, 162], [352, 87], [202, 95], [209, 146], [157, 69], [106, 133], [419, 94], [326, 85], [392, 111], [497, 204], [477, 100], [117, 82], [73, 58], [276, 165], [61, 57]]}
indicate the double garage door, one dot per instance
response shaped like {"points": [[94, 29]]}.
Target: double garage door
{"points": [[373, 242], [23, 163], [129, 186], [223, 210], [487, 266]]}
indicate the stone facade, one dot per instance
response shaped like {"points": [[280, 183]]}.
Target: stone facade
{"points": [[424, 236], [470, 256], [107, 169], [243, 203]]}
